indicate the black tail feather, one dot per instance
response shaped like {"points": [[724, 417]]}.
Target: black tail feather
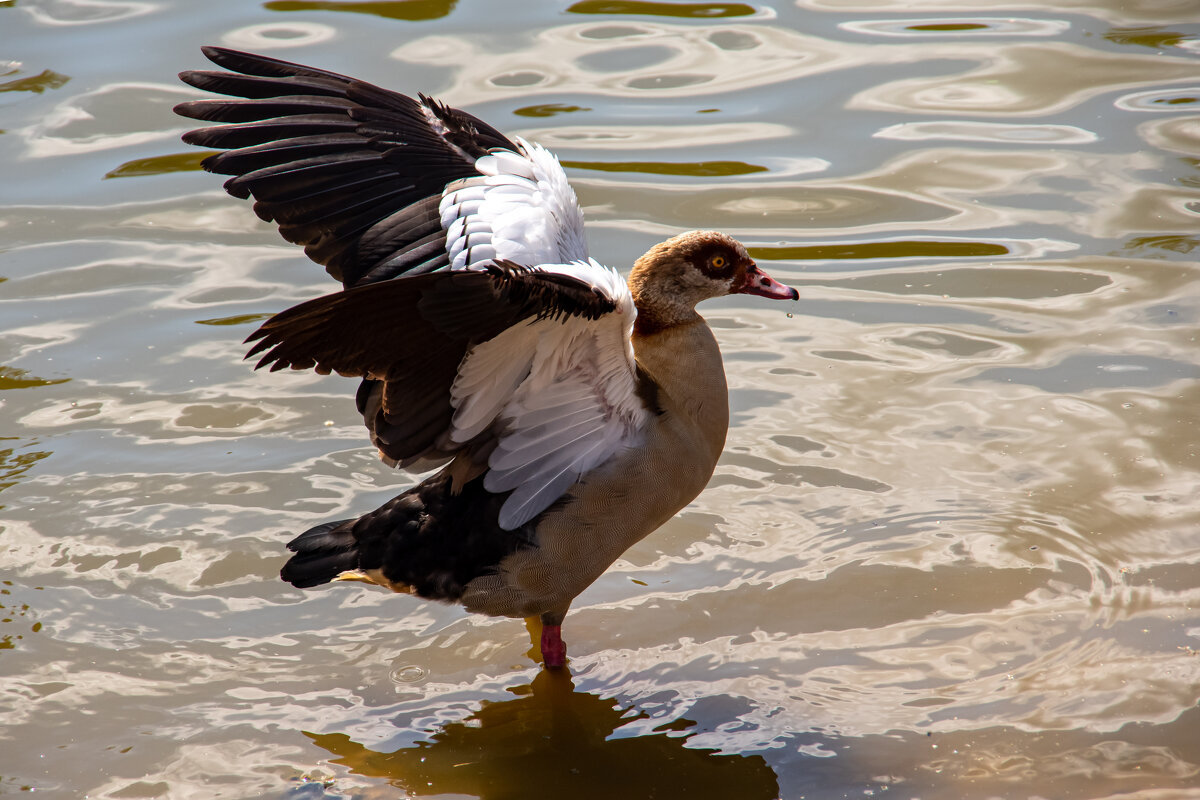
{"points": [[322, 553], [431, 540]]}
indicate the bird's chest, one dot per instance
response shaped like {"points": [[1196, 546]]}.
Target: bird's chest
{"points": [[615, 506]]}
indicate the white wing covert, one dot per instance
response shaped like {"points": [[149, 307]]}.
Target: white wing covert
{"points": [[520, 209], [560, 390]]}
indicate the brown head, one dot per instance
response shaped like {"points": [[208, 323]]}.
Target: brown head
{"points": [[673, 276]]}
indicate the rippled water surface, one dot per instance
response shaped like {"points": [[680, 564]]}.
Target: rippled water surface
{"points": [[952, 549]]}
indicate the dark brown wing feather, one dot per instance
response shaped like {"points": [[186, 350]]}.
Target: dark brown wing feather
{"points": [[349, 170], [412, 333]]}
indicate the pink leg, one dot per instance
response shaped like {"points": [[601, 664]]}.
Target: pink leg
{"points": [[554, 649]]}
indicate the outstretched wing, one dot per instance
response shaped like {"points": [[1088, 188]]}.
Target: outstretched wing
{"points": [[376, 184], [528, 370]]}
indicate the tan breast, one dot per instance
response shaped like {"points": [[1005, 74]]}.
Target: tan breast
{"points": [[621, 502]]}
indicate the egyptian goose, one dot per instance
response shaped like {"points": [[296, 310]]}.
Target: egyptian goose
{"points": [[572, 413]]}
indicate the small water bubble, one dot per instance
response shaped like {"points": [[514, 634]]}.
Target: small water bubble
{"points": [[318, 776], [407, 674]]}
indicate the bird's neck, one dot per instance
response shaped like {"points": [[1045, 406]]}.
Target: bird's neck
{"points": [[685, 362], [658, 308]]}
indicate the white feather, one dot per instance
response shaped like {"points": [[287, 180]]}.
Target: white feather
{"points": [[487, 377], [530, 498], [560, 394], [521, 203], [538, 442]]}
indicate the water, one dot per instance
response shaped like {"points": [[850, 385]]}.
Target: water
{"points": [[952, 549]]}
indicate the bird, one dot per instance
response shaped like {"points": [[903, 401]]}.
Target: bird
{"points": [[563, 411]]}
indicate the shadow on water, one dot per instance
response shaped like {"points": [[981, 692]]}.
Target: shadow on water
{"points": [[553, 737]]}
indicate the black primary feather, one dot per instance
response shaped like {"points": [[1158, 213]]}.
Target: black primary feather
{"points": [[349, 170]]}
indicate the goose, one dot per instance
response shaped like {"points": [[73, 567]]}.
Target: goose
{"points": [[568, 412]]}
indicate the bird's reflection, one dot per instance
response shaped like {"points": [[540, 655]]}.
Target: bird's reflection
{"points": [[553, 738]]}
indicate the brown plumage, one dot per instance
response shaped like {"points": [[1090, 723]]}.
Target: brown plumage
{"points": [[572, 413]]}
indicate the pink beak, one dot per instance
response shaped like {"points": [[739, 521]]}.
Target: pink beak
{"points": [[755, 281]]}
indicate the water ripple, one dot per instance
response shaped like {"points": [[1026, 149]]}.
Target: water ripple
{"points": [[958, 27], [1001, 132]]}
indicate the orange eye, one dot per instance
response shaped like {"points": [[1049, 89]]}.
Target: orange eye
{"points": [[718, 262]]}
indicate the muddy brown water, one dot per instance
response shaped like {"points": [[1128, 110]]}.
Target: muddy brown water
{"points": [[952, 549]]}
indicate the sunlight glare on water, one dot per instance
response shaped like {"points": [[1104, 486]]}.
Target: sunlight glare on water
{"points": [[952, 548]]}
